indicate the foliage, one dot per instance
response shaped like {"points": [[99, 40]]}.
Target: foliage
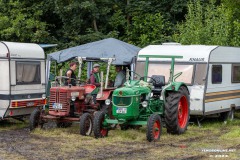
{"points": [[148, 29], [209, 24], [19, 22], [70, 23]]}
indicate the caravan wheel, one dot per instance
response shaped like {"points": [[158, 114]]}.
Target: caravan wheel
{"points": [[229, 115]]}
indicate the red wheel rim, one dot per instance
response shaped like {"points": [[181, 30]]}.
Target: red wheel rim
{"points": [[104, 132], [156, 129], [182, 112]]}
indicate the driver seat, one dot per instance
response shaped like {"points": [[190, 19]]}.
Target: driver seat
{"points": [[158, 83]]}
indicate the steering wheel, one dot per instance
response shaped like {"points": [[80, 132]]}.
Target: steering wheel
{"points": [[142, 78]]}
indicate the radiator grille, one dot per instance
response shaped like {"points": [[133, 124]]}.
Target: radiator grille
{"points": [[58, 97]]}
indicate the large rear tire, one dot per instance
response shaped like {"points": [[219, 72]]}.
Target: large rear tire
{"points": [[99, 131], [35, 119], [154, 128], [177, 111], [86, 124]]}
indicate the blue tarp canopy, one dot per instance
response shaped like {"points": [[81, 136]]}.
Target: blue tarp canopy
{"points": [[107, 48]]}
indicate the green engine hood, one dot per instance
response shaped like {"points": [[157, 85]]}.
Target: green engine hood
{"points": [[133, 89]]}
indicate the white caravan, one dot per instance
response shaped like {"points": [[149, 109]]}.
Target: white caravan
{"points": [[212, 74], [22, 78]]}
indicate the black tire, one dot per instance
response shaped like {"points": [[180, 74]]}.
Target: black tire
{"points": [[99, 131], [177, 111], [86, 124], [104, 108], [107, 110], [35, 119], [63, 124], [154, 128]]}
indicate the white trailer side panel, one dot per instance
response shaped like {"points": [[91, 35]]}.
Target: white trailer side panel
{"points": [[225, 55], [221, 97], [4, 76]]}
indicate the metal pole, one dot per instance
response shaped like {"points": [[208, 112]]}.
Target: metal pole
{"points": [[61, 76], [108, 69], [146, 69], [80, 67], [172, 70], [89, 69], [101, 88]]}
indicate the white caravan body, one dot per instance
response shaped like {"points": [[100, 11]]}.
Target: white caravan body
{"points": [[22, 78], [212, 74]]}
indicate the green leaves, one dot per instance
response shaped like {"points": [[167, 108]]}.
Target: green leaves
{"points": [[209, 24], [70, 23], [148, 29], [18, 24]]}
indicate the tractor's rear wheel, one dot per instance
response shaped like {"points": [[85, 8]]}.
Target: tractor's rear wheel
{"points": [[35, 120], [98, 129], [86, 124], [154, 128], [177, 111]]}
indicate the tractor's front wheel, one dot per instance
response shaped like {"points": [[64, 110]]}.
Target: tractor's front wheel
{"points": [[98, 129], [154, 128], [177, 111], [35, 120], [86, 124]]}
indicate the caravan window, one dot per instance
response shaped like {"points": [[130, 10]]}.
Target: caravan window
{"points": [[216, 74], [236, 73], [200, 74], [164, 69], [28, 73]]}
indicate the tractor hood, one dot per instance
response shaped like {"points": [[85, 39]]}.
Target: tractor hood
{"points": [[132, 90]]}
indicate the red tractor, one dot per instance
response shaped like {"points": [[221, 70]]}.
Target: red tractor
{"points": [[73, 103]]}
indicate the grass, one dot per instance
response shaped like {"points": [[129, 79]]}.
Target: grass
{"points": [[66, 143]]}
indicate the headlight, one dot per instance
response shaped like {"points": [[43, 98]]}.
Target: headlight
{"points": [[144, 103], [43, 96], [73, 98], [74, 94], [107, 101]]}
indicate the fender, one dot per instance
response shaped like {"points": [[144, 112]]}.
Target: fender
{"points": [[106, 94]]}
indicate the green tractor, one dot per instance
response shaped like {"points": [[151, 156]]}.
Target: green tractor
{"points": [[148, 101]]}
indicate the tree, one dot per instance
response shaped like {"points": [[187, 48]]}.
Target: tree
{"points": [[209, 24], [22, 23], [148, 29]]}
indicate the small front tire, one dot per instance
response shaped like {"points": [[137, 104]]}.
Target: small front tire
{"points": [[86, 124], [98, 129], [154, 128]]}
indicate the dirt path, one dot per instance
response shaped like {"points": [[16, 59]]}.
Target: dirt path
{"points": [[66, 143]]}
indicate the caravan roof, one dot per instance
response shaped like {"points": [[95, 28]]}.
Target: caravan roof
{"points": [[21, 50], [199, 53]]}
